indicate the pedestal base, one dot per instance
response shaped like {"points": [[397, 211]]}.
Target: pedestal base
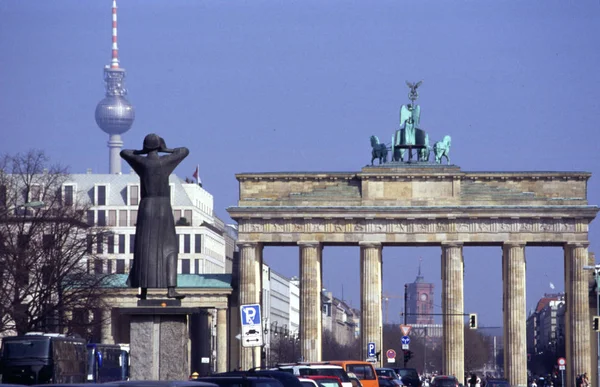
{"points": [[159, 346]]}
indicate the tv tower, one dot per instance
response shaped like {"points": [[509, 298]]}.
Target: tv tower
{"points": [[114, 114]]}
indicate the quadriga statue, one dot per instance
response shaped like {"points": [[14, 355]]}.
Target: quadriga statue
{"points": [[442, 149]]}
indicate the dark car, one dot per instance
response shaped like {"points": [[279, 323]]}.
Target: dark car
{"points": [[386, 381], [497, 383], [286, 378], [240, 381], [409, 376], [445, 381]]}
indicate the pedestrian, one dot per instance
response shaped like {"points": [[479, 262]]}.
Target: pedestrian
{"points": [[585, 381], [533, 383]]}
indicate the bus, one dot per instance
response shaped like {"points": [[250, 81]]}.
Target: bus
{"points": [[38, 358], [107, 363]]}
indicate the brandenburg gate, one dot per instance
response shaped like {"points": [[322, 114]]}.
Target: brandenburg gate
{"points": [[422, 204]]}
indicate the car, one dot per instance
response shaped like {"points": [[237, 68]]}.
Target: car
{"points": [[306, 382], [316, 368], [389, 372], [354, 380], [287, 379], [409, 376], [364, 371], [240, 381], [445, 381], [493, 382], [387, 381], [326, 380]]}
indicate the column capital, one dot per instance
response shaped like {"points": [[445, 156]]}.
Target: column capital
{"points": [[369, 244], [247, 244], [452, 244], [309, 243], [514, 244], [577, 244]]}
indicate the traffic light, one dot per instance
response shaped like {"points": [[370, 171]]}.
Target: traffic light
{"points": [[473, 321], [596, 323], [407, 355]]}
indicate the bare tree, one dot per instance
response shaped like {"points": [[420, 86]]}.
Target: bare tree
{"points": [[45, 283], [477, 350]]}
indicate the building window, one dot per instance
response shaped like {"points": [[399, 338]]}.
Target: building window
{"points": [[48, 242], [35, 193], [186, 243], [133, 218], [131, 243], [134, 195], [3, 198], [188, 216], [112, 218], [90, 217], [100, 244], [98, 266], [120, 266], [110, 244], [198, 243], [101, 195], [185, 266], [68, 195], [101, 218], [121, 244], [89, 244], [196, 266], [177, 216], [122, 218], [109, 266]]}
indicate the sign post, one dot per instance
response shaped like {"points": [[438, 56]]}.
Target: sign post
{"points": [[252, 335], [562, 362]]}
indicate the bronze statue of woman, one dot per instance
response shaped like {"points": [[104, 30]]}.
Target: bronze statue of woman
{"points": [[155, 250]]}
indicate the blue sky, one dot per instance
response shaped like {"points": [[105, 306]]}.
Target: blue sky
{"points": [[254, 86]]}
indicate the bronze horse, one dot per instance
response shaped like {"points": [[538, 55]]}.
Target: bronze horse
{"points": [[379, 151]]}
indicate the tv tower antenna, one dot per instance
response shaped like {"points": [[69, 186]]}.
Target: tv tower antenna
{"points": [[114, 114]]}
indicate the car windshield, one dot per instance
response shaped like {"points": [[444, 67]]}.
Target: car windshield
{"points": [[408, 373], [385, 372]]}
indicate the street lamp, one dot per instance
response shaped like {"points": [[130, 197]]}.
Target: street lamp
{"points": [[596, 270], [34, 204]]}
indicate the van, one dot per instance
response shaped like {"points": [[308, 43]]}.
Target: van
{"points": [[364, 371]]}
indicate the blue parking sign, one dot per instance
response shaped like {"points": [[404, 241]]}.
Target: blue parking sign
{"points": [[371, 350], [250, 314]]}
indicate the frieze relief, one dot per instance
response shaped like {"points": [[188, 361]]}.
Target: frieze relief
{"points": [[411, 226]]}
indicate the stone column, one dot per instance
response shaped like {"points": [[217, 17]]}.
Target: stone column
{"points": [[106, 326], [222, 340], [370, 297], [453, 356], [310, 301], [250, 288], [577, 316], [515, 313]]}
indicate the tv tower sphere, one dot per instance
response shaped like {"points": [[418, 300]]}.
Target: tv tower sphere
{"points": [[114, 114]]}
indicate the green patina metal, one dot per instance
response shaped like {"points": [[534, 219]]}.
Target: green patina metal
{"points": [[410, 137], [203, 281]]}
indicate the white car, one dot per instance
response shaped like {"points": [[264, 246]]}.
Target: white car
{"points": [[300, 369]]}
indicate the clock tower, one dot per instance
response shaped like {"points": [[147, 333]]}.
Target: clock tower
{"points": [[419, 306]]}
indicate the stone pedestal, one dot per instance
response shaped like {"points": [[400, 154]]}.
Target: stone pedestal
{"points": [[159, 342]]}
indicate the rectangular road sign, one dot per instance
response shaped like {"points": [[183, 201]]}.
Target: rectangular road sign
{"points": [[252, 334], [371, 350], [404, 346]]}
